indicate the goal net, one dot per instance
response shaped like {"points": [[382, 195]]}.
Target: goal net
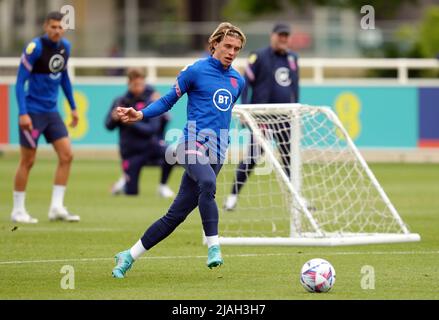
{"points": [[309, 185]]}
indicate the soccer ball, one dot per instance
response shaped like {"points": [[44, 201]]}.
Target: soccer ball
{"points": [[317, 275]]}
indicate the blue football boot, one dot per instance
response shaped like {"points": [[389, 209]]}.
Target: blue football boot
{"points": [[214, 258], [124, 262]]}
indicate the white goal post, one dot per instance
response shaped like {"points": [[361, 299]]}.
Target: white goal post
{"points": [[310, 185]]}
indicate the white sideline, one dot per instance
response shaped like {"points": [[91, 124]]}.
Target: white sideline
{"points": [[231, 256]]}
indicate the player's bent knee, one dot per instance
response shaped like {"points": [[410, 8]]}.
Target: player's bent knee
{"points": [[208, 185]]}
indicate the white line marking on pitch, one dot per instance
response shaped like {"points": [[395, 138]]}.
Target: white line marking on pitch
{"points": [[229, 255], [68, 230]]}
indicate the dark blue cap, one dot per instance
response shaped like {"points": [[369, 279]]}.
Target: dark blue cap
{"points": [[281, 28]]}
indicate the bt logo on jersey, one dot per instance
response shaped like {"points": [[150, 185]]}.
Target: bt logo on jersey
{"points": [[222, 99]]}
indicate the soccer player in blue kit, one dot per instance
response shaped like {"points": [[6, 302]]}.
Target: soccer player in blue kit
{"points": [[44, 66], [213, 87]]}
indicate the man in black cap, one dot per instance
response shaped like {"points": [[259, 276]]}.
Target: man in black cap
{"points": [[272, 76]]}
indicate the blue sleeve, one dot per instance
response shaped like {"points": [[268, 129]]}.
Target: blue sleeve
{"points": [[66, 84], [165, 103], [30, 55], [67, 89], [22, 76], [161, 105]]}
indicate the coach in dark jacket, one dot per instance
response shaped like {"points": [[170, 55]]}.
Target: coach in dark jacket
{"points": [[272, 73]]}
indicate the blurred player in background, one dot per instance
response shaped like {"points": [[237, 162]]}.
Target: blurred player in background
{"points": [[141, 143], [272, 76], [213, 87], [44, 66]]}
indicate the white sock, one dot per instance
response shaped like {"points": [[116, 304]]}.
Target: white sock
{"points": [[58, 196], [121, 182], [212, 241], [137, 250], [19, 197]]}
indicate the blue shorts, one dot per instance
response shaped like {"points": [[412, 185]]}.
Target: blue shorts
{"points": [[49, 124]]}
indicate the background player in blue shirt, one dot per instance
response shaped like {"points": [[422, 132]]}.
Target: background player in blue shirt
{"points": [[272, 76], [213, 87], [141, 143], [44, 66]]}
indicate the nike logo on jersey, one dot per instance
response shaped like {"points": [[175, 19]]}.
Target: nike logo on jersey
{"points": [[282, 76], [56, 63]]}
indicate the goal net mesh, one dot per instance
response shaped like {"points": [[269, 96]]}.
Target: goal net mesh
{"points": [[335, 193]]}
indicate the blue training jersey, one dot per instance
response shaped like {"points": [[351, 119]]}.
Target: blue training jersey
{"points": [[44, 65], [212, 92]]}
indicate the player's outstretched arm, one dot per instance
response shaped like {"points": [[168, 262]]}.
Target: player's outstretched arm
{"points": [[128, 115]]}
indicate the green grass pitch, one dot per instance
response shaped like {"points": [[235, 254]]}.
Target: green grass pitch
{"points": [[32, 256]]}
